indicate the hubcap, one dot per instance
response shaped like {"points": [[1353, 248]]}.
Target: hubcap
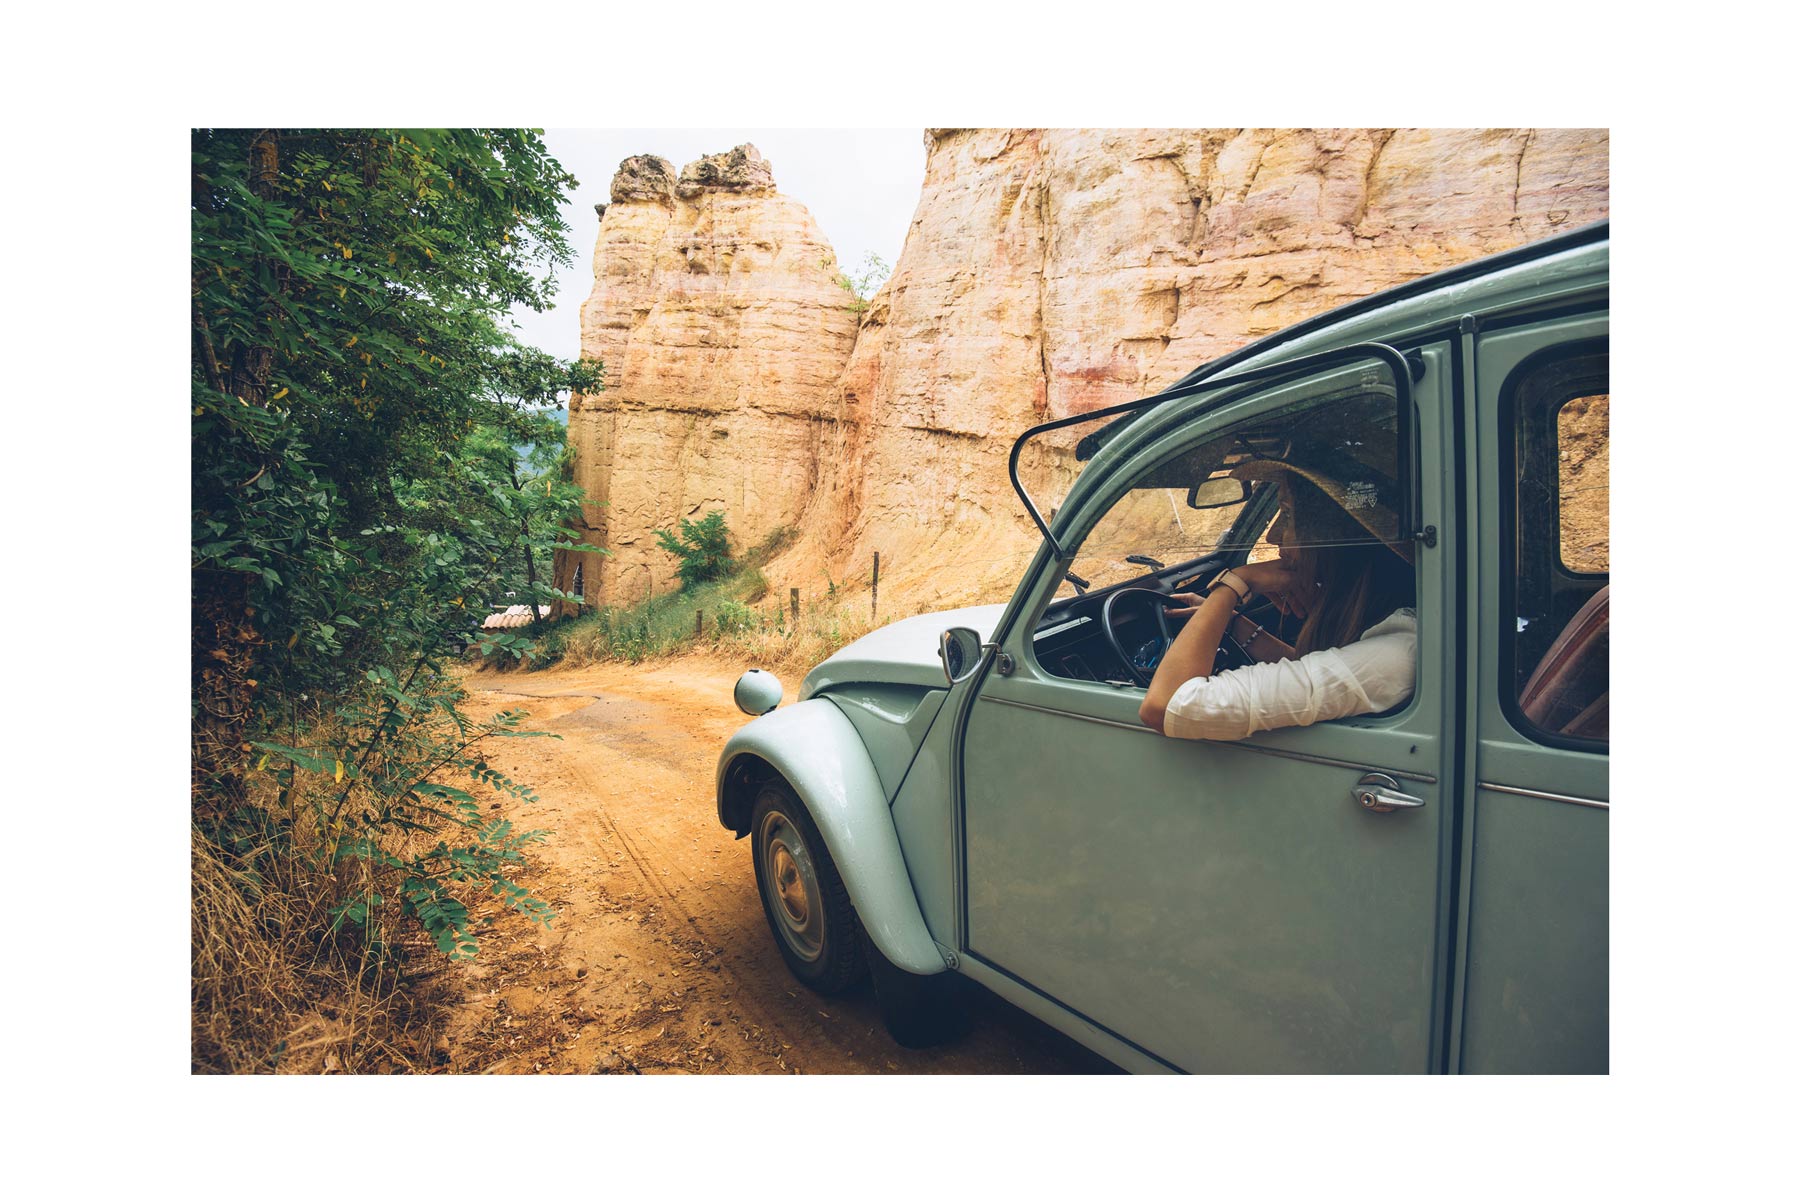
{"points": [[791, 887]]}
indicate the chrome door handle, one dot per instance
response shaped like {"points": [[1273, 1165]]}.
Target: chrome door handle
{"points": [[1380, 793]]}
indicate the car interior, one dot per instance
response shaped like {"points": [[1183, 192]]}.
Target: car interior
{"points": [[1182, 523]]}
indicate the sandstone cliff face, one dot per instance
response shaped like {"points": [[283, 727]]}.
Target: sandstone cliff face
{"points": [[723, 332], [1046, 273]]}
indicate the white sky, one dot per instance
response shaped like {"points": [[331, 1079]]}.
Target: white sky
{"points": [[861, 186]]}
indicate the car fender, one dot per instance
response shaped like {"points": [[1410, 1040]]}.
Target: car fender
{"points": [[814, 747]]}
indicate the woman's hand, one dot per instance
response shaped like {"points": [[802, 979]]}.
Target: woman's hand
{"points": [[1277, 580], [1183, 605], [1191, 653]]}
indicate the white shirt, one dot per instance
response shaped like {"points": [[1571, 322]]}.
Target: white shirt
{"points": [[1372, 674]]}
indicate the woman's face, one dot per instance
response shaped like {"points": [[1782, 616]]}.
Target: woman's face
{"points": [[1281, 530]]}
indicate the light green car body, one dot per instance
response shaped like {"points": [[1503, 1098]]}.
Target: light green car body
{"points": [[1227, 907]]}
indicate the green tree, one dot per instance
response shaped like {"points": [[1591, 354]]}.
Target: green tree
{"points": [[349, 292], [372, 467], [703, 547], [518, 480]]}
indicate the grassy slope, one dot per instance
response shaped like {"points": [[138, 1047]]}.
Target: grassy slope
{"points": [[738, 618]]}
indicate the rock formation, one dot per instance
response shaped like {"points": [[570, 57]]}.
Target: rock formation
{"points": [[723, 331], [1046, 273]]}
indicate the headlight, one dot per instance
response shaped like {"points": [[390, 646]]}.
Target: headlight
{"points": [[757, 692]]}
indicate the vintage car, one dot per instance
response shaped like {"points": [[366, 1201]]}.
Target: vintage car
{"points": [[973, 795]]}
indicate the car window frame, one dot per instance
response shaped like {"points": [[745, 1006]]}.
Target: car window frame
{"points": [[1513, 398], [1172, 441]]}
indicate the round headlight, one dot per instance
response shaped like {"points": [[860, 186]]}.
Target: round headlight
{"points": [[757, 692]]}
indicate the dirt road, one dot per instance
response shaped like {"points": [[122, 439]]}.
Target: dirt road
{"points": [[659, 958]]}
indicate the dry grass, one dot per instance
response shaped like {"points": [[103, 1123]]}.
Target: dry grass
{"points": [[743, 619], [274, 990], [740, 621], [795, 646]]}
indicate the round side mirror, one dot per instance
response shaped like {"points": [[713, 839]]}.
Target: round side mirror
{"points": [[757, 692], [960, 649]]}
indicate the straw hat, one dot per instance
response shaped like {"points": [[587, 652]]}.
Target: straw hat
{"points": [[1369, 497]]}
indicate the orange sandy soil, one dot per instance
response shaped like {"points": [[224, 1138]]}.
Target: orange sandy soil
{"points": [[659, 959]]}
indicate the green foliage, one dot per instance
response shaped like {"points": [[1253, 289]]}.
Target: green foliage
{"points": [[357, 401], [862, 284], [733, 617], [373, 468], [658, 625], [704, 548], [387, 823]]}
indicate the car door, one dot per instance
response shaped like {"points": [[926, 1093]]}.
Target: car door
{"points": [[1535, 985], [1220, 906]]}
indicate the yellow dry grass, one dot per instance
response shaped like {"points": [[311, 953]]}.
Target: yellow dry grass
{"points": [[273, 989]]}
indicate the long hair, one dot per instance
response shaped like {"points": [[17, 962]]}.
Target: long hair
{"points": [[1361, 580]]}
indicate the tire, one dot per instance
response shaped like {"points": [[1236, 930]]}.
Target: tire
{"points": [[919, 1011], [803, 897]]}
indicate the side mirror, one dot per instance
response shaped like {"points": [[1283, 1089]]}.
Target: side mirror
{"points": [[960, 649], [1217, 491]]}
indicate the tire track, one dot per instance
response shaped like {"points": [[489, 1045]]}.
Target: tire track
{"points": [[626, 842], [660, 958]]}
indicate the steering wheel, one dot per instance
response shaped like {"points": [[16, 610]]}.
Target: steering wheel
{"points": [[1112, 634], [1231, 653]]}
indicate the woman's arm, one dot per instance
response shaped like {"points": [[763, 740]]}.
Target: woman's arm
{"points": [[1195, 649], [1372, 674], [1190, 655], [1259, 642]]}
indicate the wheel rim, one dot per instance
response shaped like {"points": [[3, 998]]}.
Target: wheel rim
{"points": [[791, 887]]}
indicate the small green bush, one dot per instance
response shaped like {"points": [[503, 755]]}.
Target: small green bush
{"points": [[733, 617], [703, 547]]}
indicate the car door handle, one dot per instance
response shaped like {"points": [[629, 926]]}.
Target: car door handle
{"points": [[1380, 793]]}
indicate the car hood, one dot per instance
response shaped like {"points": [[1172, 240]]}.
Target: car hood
{"points": [[903, 652]]}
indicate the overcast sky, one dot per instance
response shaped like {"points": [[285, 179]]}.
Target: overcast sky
{"points": [[861, 186]]}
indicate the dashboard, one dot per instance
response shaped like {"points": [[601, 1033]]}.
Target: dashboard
{"points": [[1070, 642]]}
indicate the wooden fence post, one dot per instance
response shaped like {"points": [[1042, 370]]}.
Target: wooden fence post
{"points": [[699, 621], [794, 604], [874, 584]]}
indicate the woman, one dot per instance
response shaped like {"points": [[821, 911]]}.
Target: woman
{"points": [[1343, 574]]}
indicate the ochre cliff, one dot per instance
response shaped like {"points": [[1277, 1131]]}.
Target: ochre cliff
{"points": [[723, 332], [1046, 273]]}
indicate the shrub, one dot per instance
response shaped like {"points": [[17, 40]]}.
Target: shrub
{"points": [[397, 743], [376, 830], [703, 547], [733, 617]]}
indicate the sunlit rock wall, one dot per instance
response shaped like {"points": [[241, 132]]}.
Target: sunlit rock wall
{"points": [[1052, 272], [723, 331], [1045, 273]]}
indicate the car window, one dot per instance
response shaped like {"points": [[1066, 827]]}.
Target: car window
{"points": [[1346, 426], [1559, 630], [1581, 472], [1216, 501]]}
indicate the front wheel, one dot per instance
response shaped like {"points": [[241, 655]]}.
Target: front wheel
{"points": [[803, 897]]}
